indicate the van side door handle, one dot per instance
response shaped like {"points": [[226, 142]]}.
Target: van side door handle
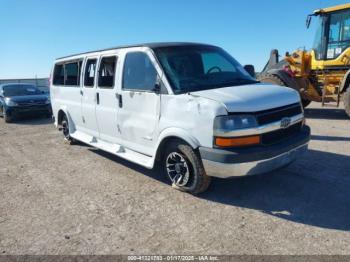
{"points": [[97, 98], [120, 100]]}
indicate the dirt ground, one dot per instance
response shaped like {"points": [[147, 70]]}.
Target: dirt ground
{"points": [[61, 199]]}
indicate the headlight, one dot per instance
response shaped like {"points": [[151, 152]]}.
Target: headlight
{"points": [[9, 102], [48, 101], [224, 124]]}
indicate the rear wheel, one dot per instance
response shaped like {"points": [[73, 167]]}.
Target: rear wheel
{"points": [[346, 101], [65, 130], [273, 79], [184, 168]]}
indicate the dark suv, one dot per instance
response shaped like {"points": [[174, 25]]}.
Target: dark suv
{"points": [[18, 100]]}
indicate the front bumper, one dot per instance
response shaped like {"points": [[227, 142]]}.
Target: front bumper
{"points": [[254, 160], [18, 111]]}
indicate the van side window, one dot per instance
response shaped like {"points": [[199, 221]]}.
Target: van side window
{"points": [[58, 75], [106, 73], [90, 69], [139, 72], [72, 74]]}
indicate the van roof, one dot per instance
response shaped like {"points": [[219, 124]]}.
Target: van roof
{"points": [[150, 45]]}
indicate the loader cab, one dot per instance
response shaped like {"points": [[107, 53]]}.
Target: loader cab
{"points": [[332, 37]]}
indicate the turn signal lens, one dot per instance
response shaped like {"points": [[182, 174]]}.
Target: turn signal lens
{"points": [[238, 141]]}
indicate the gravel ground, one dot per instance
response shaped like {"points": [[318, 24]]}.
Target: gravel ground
{"points": [[61, 199]]}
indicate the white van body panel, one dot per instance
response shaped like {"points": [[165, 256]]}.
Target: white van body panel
{"points": [[136, 130], [107, 108], [262, 96], [192, 115], [88, 105], [138, 118]]}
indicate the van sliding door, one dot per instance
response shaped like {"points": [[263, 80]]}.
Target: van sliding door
{"points": [[106, 100], [88, 98]]}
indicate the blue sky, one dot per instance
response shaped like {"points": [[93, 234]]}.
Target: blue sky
{"points": [[34, 32]]}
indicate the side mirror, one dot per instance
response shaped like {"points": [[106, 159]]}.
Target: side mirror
{"points": [[250, 69]]}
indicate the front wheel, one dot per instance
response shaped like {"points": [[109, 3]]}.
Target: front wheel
{"points": [[184, 168], [7, 118]]}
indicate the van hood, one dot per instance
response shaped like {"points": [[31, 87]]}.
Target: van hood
{"points": [[251, 98]]}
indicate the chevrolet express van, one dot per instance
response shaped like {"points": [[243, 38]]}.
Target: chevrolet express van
{"points": [[191, 109]]}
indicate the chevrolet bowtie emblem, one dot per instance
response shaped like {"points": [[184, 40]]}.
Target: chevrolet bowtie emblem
{"points": [[285, 122]]}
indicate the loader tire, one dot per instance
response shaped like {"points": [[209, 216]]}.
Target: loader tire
{"points": [[273, 79], [346, 101]]}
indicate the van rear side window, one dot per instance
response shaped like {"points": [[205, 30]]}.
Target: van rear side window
{"points": [[58, 78], [67, 74], [106, 73], [72, 74]]}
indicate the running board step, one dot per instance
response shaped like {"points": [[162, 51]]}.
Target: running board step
{"points": [[115, 149]]}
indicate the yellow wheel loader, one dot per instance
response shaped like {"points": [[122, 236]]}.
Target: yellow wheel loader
{"points": [[322, 74]]}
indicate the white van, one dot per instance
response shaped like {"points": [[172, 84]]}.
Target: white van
{"points": [[190, 108]]}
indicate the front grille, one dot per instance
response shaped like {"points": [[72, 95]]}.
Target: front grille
{"points": [[276, 114], [277, 136], [26, 104]]}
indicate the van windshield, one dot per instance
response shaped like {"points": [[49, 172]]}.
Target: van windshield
{"points": [[199, 67], [20, 90]]}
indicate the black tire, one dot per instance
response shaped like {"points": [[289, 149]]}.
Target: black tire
{"points": [[7, 119], [65, 131], [346, 101], [273, 79], [305, 102], [188, 176]]}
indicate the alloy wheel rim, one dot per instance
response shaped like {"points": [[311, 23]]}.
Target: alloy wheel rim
{"points": [[177, 169]]}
